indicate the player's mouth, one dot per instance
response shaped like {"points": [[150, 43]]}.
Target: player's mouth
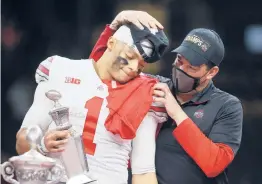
{"points": [[126, 74]]}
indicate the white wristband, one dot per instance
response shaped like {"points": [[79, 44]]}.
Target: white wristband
{"points": [[42, 144], [40, 150], [41, 147]]}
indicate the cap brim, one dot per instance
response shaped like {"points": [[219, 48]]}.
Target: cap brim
{"points": [[192, 56]]}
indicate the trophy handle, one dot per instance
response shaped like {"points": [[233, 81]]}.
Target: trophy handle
{"points": [[7, 170], [57, 172]]}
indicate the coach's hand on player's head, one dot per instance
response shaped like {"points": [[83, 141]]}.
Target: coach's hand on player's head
{"points": [[139, 18], [55, 140]]}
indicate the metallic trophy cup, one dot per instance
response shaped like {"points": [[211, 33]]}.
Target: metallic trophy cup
{"points": [[31, 167], [73, 157]]}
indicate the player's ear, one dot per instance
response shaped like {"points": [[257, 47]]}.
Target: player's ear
{"points": [[111, 43]]}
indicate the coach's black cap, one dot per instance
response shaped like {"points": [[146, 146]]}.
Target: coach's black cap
{"points": [[202, 46]]}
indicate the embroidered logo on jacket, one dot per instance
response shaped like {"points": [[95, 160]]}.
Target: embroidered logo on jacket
{"points": [[199, 113]]}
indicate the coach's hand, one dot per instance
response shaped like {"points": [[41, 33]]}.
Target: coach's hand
{"points": [[163, 95], [55, 140], [139, 18]]}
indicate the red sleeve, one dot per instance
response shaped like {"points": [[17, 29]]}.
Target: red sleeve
{"points": [[101, 43], [211, 157]]}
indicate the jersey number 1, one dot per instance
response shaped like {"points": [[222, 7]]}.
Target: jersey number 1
{"points": [[94, 106]]}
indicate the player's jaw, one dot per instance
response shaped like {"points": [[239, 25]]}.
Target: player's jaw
{"points": [[123, 76]]}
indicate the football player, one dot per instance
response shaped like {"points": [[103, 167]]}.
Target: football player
{"points": [[110, 104]]}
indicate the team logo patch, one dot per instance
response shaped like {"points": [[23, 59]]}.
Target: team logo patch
{"points": [[199, 113]]}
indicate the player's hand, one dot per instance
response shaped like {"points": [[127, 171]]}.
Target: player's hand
{"points": [[139, 18], [55, 140]]}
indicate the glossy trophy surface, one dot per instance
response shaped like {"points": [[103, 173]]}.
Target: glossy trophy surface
{"points": [[31, 167]]}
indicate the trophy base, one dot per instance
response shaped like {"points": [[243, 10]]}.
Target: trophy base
{"points": [[80, 179]]}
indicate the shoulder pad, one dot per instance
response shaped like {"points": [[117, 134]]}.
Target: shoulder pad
{"points": [[42, 71]]}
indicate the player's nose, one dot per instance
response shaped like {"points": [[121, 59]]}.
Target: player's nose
{"points": [[133, 66]]}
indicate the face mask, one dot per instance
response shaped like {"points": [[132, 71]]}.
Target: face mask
{"points": [[183, 82]]}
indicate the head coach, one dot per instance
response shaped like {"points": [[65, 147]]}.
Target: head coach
{"points": [[204, 131]]}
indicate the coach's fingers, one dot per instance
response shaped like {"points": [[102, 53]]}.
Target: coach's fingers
{"points": [[154, 24], [161, 86], [159, 93], [148, 20], [159, 99], [145, 23], [158, 24], [137, 23]]}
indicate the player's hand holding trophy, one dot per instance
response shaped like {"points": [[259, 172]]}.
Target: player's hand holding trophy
{"points": [[73, 157], [34, 168]]}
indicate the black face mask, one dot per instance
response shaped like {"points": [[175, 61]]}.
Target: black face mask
{"points": [[159, 40], [184, 83]]}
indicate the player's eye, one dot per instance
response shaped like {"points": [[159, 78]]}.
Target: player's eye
{"points": [[129, 57], [124, 61]]}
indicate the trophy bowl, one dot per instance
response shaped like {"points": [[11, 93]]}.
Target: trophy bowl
{"points": [[31, 167]]}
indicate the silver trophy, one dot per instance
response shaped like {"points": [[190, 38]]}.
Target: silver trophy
{"points": [[73, 157], [31, 167]]}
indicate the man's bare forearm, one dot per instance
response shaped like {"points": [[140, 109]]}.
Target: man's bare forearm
{"points": [[148, 178], [22, 145]]}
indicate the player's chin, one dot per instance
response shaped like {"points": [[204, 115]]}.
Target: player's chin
{"points": [[123, 79]]}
